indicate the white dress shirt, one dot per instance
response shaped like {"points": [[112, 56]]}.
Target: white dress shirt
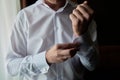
{"points": [[35, 30]]}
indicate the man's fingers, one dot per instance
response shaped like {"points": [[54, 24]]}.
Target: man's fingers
{"points": [[78, 14], [88, 8], [74, 19], [85, 10], [67, 45], [67, 53]]}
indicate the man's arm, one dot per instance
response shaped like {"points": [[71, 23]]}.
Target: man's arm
{"points": [[84, 29], [18, 60], [88, 50]]}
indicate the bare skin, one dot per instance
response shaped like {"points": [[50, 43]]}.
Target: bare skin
{"points": [[61, 52], [80, 17], [55, 4]]}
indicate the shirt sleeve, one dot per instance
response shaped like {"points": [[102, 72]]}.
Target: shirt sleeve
{"points": [[18, 60], [88, 51]]}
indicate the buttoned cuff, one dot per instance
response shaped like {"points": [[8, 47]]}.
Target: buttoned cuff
{"points": [[40, 62], [84, 39]]}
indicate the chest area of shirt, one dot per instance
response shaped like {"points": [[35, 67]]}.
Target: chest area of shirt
{"points": [[47, 31], [50, 24]]}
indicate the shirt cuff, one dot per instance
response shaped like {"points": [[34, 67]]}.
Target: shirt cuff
{"points": [[40, 62], [84, 39]]}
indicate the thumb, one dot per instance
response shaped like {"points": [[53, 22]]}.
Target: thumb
{"points": [[85, 2]]}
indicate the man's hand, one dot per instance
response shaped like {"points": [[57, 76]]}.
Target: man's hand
{"points": [[61, 52], [81, 17]]}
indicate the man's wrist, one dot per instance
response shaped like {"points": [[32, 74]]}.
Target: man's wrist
{"points": [[47, 58]]}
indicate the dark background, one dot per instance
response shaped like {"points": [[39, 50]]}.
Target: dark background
{"points": [[106, 16], [108, 22]]}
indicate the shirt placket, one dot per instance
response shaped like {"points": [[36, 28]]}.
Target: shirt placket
{"points": [[59, 67]]}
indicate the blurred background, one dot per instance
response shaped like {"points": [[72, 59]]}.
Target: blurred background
{"points": [[107, 19]]}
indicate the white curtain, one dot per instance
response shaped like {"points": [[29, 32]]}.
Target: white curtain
{"points": [[8, 11]]}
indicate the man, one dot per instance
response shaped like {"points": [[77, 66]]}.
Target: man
{"points": [[53, 40]]}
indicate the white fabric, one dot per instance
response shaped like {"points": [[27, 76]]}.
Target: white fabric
{"points": [[36, 29]]}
